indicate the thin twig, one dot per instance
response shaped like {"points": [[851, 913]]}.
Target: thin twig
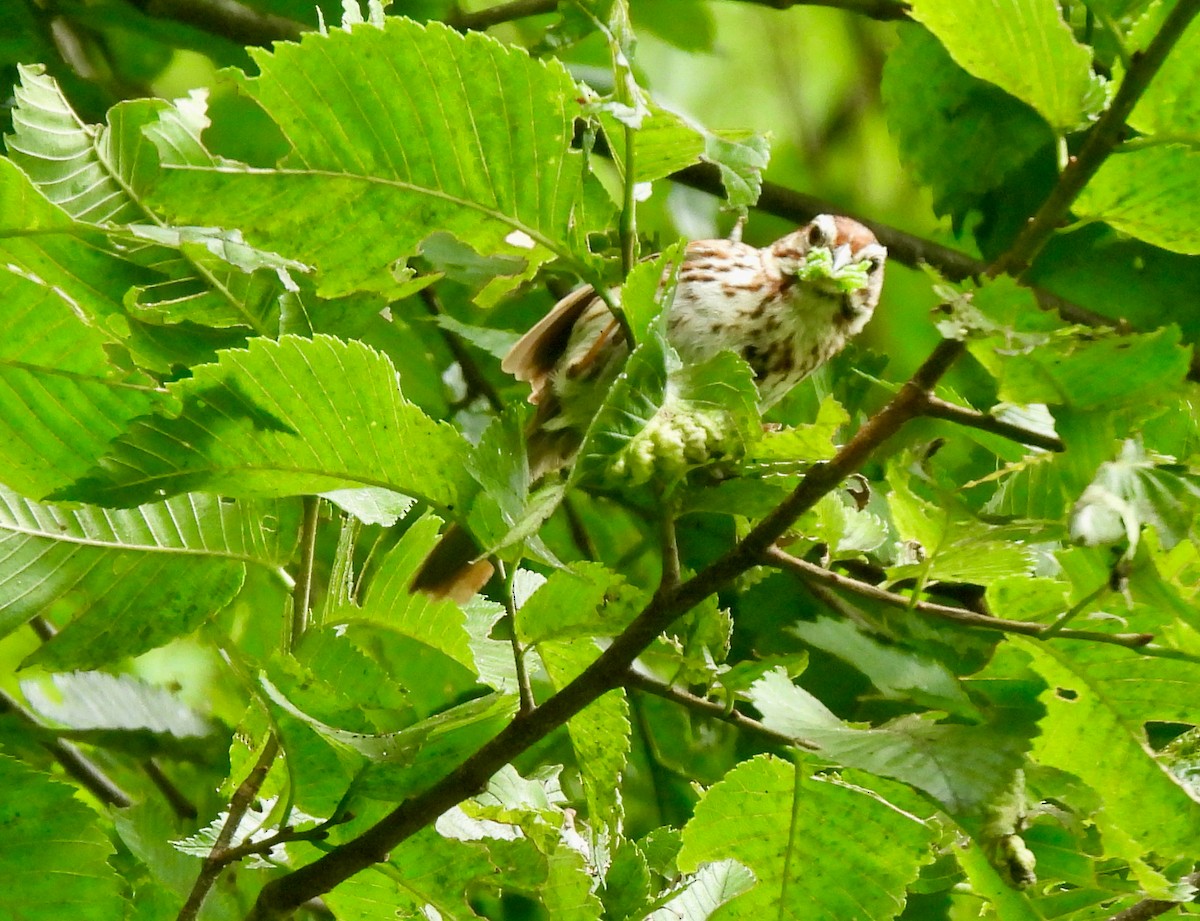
{"points": [[180, 804], [1102, 138], [73, 761], [524, 685], [972, 418], [961, 616], [476, 380], [710, 708], [1076, 609], [216, 861], [670, 551]]}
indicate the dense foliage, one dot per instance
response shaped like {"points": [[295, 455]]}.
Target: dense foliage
{"points": [[926, 647]]}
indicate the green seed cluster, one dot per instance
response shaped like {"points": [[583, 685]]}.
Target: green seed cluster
{"points": [[673, 442]]}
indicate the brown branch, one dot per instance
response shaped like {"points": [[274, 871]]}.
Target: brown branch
{"points": [[961, 415], [608, 671], [872, 9], [961, 616], [216, 860], [1102, 138], [227, 19], [1152, 908], [642, 682], [504, 12]]}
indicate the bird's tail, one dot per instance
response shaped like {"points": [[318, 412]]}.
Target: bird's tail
{"points": [[453, 568]]}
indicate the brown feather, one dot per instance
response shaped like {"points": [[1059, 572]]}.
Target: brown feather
{"points": [[535, 355], [451, 570]]}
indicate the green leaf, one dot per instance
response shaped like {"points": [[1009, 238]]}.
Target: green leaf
{"points": [[101, 174], [1087, 732], [292, 417], [960, 135], [55, 854], [599, 733], [427, 873], [1024, 47], [661, 418], [896, 673], [741, 157], [61, 400], [701, 893], [800, 835], [962, 767], [134, 579], [585, 600], [1152, 193], [477, 145], [1169, 105], [460, 634], [1090, 370]]}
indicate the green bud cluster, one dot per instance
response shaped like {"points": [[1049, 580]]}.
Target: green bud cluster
{"points": [[678, 439]]}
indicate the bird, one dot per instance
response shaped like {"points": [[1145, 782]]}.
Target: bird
{"points": [[785, 309]]}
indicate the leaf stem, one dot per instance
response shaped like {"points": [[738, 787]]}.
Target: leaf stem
{"points": [[302, 590], [477, 382]]}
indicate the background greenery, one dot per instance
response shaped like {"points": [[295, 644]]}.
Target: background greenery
{"points": [[949, 672]]}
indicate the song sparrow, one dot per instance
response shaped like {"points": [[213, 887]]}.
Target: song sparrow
{"points": [[785, 309]]}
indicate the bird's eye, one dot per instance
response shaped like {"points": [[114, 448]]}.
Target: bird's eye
{"points": [[822, 231], [874, 264]]}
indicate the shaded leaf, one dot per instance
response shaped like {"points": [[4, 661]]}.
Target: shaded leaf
{"points": [[1024, 47]]}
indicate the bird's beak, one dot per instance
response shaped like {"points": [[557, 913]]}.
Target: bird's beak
{"points": [[841, 257]]}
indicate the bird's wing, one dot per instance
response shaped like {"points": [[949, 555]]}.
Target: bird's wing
{"points": [[535, 354]]}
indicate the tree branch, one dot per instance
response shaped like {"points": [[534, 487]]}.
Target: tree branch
{"points": [[961, 415], [1101, 140], [504, 12], [227, 19], [608, 671], [476, 380], [809, 572]]}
